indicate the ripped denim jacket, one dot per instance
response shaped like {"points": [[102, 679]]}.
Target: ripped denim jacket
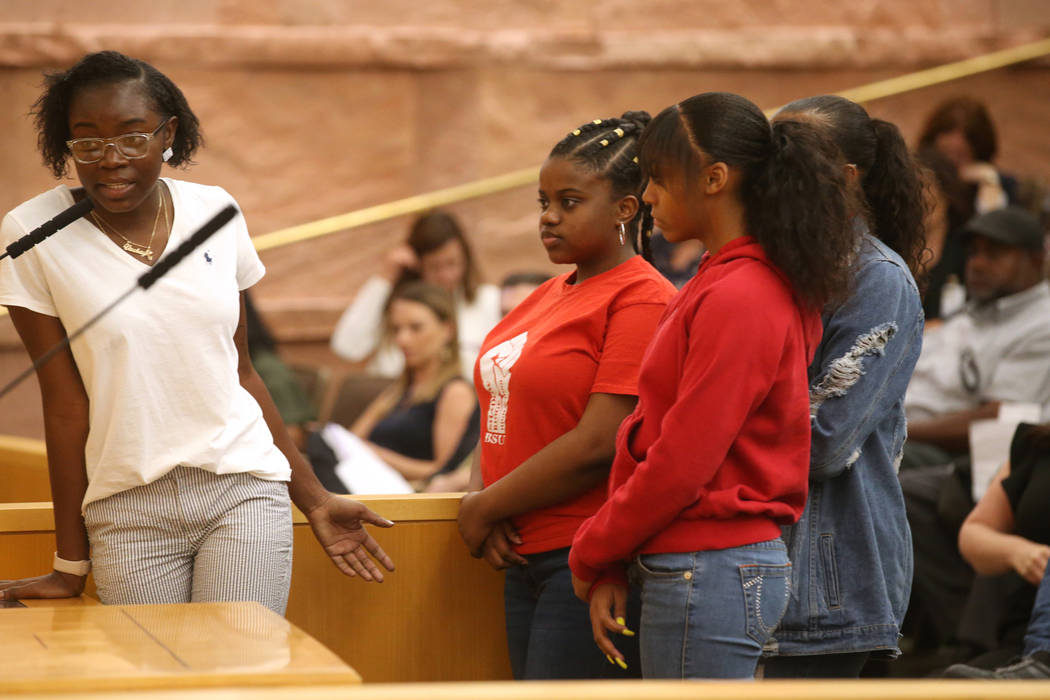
{"points": [[851, 550]]}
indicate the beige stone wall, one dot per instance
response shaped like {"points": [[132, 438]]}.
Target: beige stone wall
{"points": [[316, 108]]}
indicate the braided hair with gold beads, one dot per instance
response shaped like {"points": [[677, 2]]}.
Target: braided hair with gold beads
{"points": [[609, 148]]}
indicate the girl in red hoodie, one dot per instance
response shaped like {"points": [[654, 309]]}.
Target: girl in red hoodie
{"points": [[715, 457]]}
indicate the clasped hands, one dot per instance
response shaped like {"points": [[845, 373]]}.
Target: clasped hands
{"points": [[494, 540], [490, 539]]}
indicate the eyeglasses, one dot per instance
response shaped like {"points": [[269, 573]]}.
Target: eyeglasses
{"points": [[92, 150]]}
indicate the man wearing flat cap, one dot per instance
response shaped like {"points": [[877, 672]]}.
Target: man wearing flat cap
{"points": [[996, 349], [993, 351]]}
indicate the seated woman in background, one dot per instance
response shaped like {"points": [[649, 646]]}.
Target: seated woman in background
{"points": [[961, 129], [1008, 534], [426, 423], [436, 252]]}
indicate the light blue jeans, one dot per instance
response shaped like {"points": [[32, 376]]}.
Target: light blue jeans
{"points": [[708, 614]]}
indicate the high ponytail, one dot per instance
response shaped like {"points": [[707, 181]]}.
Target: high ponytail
{"points": [[793, 188], [893, 188], [890, 180], [797, 208]]}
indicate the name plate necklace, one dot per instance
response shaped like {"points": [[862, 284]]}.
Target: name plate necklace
{"points": [[131, 246]]}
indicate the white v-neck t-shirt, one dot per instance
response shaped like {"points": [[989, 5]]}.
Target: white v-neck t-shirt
{"points": [[160, 369]]}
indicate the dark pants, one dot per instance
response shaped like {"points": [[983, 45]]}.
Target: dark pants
{"points": [[816, 666], [549, 628], [942, 578]]}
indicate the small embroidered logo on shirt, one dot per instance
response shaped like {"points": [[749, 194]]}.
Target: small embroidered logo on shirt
{"points": [[207, 257]]}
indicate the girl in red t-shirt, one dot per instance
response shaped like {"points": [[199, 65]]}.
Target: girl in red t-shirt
{"points": [[715, 457], [554, 379]]}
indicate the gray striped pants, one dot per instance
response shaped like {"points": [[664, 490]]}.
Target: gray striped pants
{"points": [[193, 536]]}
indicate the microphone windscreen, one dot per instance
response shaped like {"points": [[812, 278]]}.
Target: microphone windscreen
{"points": [[73, 213], [56, 223]]}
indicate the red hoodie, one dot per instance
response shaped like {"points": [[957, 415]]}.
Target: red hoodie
{"points": [[716, 454]]}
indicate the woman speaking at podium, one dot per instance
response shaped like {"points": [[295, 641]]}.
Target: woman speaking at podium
{"points": [[167, 457]]}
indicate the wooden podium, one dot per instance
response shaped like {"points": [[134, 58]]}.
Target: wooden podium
{"points": [[74, 647]]}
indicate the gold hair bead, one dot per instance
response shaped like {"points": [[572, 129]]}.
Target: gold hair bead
{"points": [[618, 131], [635, 159], [604, 142], [597, 121], [575, 132]]}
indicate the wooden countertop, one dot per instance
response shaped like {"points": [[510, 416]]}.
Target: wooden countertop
{"points": [[78, 645]]}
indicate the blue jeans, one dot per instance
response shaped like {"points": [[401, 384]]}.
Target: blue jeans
{"points": [[708, 614], [549, 628], [1038, 636]]}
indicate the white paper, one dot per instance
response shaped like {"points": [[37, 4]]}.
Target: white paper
{"points": [[359, 468], [1020, 412], [990, 442]]}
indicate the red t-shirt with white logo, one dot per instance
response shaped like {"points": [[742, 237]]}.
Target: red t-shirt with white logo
{"points": [[539, 365]]}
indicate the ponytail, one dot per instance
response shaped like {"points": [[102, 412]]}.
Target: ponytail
{"points": [[796, 206], [893, 189], [890, 180], [793, 187]]}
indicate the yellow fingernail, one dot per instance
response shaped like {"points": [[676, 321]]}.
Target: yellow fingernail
{"points": [[621, 663], [610, 659], [625, 632]]}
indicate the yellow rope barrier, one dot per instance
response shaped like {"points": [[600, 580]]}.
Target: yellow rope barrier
{"points": [[948, 72], [408, 205], [520, 178]]}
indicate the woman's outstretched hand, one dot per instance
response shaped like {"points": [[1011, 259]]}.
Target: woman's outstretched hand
{"points": [[53, 585], [338, 524]]}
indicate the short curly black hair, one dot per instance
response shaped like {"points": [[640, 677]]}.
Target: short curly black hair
{"points": [[51, 110]]}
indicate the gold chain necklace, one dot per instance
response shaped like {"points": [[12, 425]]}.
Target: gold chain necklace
{"points": [[129, 245]]}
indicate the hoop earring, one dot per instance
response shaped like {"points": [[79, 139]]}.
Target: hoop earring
{"points": [[167, 154], [623, 234]]}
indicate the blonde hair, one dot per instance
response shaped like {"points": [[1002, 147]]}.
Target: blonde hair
{"points": [[441, 303]]}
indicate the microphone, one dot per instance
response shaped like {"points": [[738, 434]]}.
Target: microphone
{"points": [[145, 281], [173, 258], [56, 223]]}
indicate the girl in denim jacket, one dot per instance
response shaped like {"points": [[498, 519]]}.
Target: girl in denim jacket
{"points": [[852, 550]]}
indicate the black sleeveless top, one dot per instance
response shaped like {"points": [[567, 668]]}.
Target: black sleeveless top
{"points": [[408, 429], [1028, 485]]}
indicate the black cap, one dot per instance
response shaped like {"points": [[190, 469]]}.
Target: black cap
{"points": [[1010, 225]]}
